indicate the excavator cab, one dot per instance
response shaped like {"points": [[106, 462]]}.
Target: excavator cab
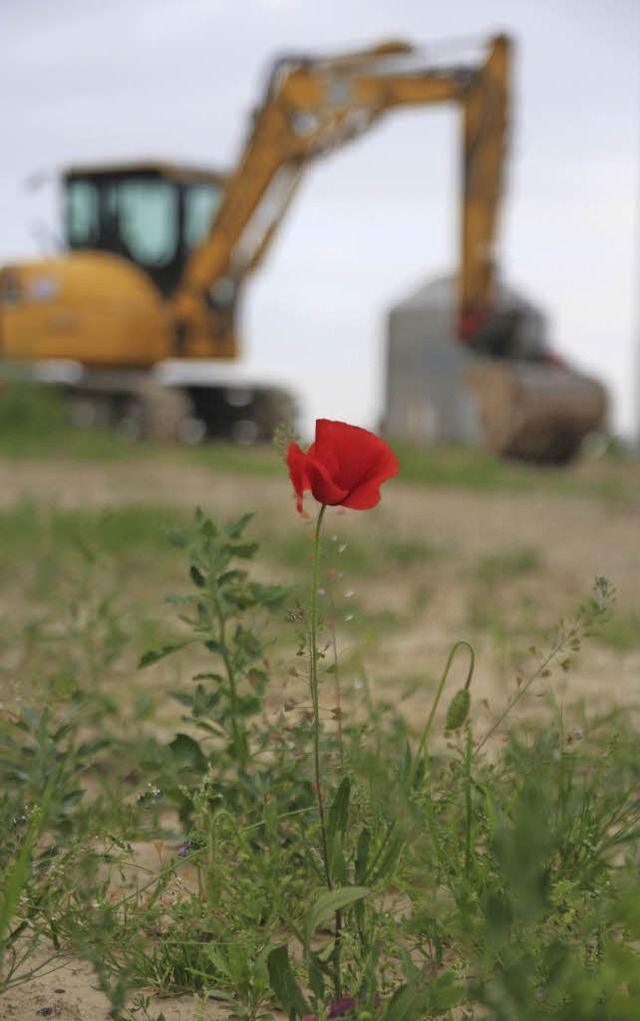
{"points": [[154, 215]]}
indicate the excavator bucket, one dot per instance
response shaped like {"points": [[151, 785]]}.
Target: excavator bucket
{"points": [[524, 403], [536, 411]]}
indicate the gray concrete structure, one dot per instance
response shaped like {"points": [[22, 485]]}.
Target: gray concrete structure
{"points": [[426, 397]]}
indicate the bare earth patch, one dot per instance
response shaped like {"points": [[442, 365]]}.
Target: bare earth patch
{"points": [[69, 994]]}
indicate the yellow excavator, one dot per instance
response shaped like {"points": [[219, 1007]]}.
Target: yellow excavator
{"points": [[136, 319]]}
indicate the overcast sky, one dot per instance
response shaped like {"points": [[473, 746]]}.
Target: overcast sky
{"points": [[104, 80]]}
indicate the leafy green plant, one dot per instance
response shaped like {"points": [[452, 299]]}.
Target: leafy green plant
{"points": [[222, 617]]}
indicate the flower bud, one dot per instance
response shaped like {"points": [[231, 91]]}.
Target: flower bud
{"points": [[458, 709]]}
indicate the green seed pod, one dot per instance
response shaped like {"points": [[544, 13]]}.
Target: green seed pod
{"points": [[458, 709]]}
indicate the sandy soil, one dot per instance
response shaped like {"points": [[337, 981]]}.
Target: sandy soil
{"points": [[69, 994], [576, 538]]}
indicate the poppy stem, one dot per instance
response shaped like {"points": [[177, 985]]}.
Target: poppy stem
{"points": [[315, 700]]}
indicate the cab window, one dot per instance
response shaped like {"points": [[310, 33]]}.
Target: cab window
{"points": [[201, 204], [83, 214]]}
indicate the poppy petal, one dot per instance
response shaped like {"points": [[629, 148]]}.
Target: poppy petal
{"points": [[324, 488], [366, 493], [353, 456], [297, 464]]}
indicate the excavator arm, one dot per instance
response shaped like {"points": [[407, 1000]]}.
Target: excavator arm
{"points": [[313, 106], [485, 121]]}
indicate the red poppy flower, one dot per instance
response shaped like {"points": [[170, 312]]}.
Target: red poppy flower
{"points": [[345, 466]]}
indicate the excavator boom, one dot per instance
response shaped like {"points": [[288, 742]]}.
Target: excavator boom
{"points": [[315, 105]]}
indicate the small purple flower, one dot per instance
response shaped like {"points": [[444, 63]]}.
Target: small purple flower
{"points": [[337, 1008], [342, 1006], [184, 849]]}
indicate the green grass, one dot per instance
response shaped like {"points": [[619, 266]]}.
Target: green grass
{"points": [[509, 564], [34, 423], [84, 599], [30, 529], [614, 478], [83, 568], [353, 555], [622, 632]]}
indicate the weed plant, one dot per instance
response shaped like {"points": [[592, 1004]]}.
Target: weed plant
{"points": [[290, 848]]}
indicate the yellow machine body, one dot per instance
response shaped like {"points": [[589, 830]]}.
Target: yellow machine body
{"points": [[92, 307]]}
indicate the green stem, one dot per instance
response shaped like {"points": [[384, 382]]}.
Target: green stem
{"points": [[468, 802], [337, 950], [427, 730], [313, 684], [18, 871], [336, 678], [237, 737], [562, 640], [315, 699]]}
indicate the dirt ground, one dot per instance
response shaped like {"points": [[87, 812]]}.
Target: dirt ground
{"points": [[576, 538], [69, 994]]}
